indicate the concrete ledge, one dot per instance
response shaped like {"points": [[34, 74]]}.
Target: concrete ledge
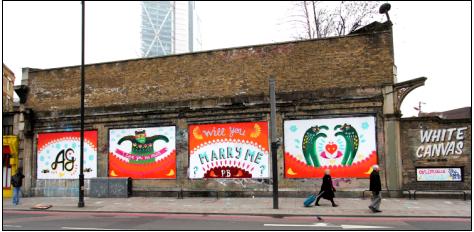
{"points": [[59, 188], [56, 192]]}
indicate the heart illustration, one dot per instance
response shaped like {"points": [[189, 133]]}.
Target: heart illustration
{"points": [[331, 148]]}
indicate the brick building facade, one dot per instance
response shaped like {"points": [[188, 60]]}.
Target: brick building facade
{"points": [[8, 81], [414, 149]]}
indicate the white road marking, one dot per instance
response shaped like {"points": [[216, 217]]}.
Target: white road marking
{"points": [[362, 227], [17, 226], [85, 228], [303, 225], [321, 224]]}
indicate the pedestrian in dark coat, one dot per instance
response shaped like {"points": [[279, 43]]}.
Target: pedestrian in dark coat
{"points": [[327, 189], [17, 182], [375, 187]]}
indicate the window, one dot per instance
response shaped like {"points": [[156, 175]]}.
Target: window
{"points": [[7, 124]]}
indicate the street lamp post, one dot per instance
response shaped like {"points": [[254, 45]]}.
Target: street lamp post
{"points": [[81, 161], [274, 145]]}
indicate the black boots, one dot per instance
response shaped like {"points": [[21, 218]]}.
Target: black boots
{"points": [[332, 201]]}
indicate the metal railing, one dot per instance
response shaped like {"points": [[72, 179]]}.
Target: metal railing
{"points": [[464, 192], [402, 190]]}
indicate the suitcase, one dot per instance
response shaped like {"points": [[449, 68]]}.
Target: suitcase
{"points": [[309, 201]]}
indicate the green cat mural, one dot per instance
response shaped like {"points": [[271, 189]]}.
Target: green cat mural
{"points": [[309, 144], [352, 142], [142, 145]]}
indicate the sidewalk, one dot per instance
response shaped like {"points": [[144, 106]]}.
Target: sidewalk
{"points": [[252, 206]]}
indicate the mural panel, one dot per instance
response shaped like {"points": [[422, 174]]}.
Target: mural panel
{"points": [[347, 146], [143, 152], [229, 150], [58, 155]]}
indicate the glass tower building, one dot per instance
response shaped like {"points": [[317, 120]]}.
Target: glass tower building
{"points": [[168, 27]]}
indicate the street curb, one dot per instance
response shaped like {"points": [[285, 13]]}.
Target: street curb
{"points": [[246, 214]]}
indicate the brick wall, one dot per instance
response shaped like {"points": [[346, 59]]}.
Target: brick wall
{"points": [[352, 61], [411, 140], [331, 77]]}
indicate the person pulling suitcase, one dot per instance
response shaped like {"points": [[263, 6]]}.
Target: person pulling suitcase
{"points": [[327, 189]]}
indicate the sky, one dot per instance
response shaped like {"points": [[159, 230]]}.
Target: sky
{"points": [[431, 39]]}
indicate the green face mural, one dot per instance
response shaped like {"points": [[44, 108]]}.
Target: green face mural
{"points": [[142, 145], [315, 132], [345, 145]]}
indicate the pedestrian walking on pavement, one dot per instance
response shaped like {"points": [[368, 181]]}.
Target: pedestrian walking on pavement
{"points": [[375, 187], [17, 182], [327, 189]]}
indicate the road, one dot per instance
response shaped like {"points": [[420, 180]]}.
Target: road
{"points": [[50, 220]]}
